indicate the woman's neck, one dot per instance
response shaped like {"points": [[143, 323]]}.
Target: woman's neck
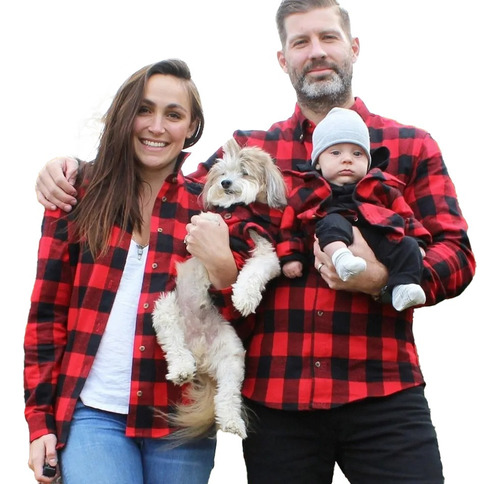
{"points": [[147, 200]]}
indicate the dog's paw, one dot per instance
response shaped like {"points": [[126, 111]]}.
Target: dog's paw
{"points": [[234, 425], [180, 377], [182, 373], [246, 301]]}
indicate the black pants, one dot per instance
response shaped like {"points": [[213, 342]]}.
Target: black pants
{"points": [[385, 440], [403, 260]]}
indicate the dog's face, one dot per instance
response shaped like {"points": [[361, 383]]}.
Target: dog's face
{"points": [[244, 175]]}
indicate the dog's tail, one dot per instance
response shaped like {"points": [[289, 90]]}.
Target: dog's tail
{"points": [[196, 417]]}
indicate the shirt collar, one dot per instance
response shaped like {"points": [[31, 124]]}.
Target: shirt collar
{"points": [[306, 126]]}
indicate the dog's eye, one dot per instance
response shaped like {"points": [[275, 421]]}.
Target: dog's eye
{"points": [[244, 172]]}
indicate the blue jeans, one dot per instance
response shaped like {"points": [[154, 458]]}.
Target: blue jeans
{"points": [[97, 450]]}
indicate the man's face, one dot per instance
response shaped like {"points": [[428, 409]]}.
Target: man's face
{"points": [[318, 55]]}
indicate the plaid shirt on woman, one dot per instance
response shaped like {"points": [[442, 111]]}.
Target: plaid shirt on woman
{"points": [[71, 302], [310, 347]]}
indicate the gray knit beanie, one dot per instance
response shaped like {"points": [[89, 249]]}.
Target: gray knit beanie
{"points": [[340, 126]]}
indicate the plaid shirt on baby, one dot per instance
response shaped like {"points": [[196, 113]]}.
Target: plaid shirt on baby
{"points": [[310, 347], [376, 201]]}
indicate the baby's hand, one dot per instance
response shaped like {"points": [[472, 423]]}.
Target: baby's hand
{"points": [[292, 269]]}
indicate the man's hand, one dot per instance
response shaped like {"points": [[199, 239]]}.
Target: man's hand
{"points": [[55, 184], [370, 281]]}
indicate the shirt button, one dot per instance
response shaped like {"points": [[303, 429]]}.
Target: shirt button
{"points": [[317, 364], [320, 313], [154, 265], [146, 305], [142, 348], [160, 229], [164, 199], [139, 393], [227, 215]]}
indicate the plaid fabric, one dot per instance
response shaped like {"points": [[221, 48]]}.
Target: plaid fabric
{"points": [[240, 219], [71, 302], [312, 347], [376, 200]]}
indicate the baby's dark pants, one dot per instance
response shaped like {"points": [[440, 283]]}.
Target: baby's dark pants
{"points": [[402, 259]]}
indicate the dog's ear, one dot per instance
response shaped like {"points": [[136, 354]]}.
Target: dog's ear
{"points": [[231, 148], [276, 186]]}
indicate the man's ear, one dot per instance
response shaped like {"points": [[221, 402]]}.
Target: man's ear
{"points": [[282, 61], [355, 47]]}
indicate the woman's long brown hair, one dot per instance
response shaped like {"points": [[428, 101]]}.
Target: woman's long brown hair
{"points": [[112, 183]]}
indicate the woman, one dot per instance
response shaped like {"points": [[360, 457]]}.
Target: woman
{"points": [[94, 375]]}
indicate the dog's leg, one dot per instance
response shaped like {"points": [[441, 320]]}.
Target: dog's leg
{"points": [[227, 368], [262, 266], [168, 323]]}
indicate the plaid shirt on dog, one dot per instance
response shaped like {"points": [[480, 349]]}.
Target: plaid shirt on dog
{"points": [[70, 306], [310, 347]]}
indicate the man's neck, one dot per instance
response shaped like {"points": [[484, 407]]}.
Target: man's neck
{"points": [[316, 110]]}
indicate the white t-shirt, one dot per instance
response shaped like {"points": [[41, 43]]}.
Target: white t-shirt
{"points": [[108, 384]]}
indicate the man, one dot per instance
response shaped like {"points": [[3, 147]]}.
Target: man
{"points": [[332, 370]]}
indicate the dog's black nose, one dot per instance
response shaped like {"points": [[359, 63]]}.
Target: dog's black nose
{"points": [[226, 184]]}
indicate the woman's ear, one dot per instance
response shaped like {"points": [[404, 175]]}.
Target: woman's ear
{"points": [[193, 128]]}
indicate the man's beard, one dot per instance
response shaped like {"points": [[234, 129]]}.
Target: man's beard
{"points": [[323, 93]]}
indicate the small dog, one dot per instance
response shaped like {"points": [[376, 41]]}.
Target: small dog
{"points": [[200, 346]]}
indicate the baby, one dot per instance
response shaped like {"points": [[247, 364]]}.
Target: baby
{"points": [[345, 190]]}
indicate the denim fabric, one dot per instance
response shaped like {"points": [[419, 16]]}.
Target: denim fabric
{"points": [[97, 450]]}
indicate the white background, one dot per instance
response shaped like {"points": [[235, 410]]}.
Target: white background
{"points": [[429, 63]]}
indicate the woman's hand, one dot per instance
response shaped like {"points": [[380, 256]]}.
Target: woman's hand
{"points": [[207, 238], [43, 450]]}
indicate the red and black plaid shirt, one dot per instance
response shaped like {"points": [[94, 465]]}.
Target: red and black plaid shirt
{"points": [[314, 348], [241, 219], [376, 200], [71, 303]]}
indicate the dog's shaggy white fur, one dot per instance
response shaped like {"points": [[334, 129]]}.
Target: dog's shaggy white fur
{"points": [[200, 346]]}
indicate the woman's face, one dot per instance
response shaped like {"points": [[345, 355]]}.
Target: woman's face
{"points": [[162, 124]]}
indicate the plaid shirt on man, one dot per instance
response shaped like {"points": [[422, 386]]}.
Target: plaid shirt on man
{"points": [[71, 303], [315, 348]]}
